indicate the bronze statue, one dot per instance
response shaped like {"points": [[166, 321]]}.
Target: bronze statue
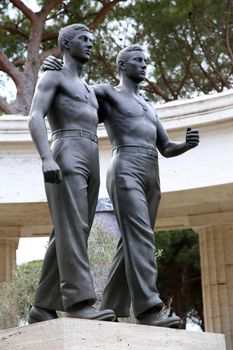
{"points": [[71, 174], [135, 132], [133, 185]]}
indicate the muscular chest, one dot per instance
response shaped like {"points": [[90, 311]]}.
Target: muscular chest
{"points": [[129, 108], [78, 92]]}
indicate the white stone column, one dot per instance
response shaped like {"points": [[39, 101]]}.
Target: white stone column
{"points": [[7, 258], [216, 253]]}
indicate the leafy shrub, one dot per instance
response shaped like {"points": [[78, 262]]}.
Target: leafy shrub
{"points": [[17, 296]]}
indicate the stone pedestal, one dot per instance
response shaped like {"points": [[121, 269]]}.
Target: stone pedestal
{"points": [[7, 258], [216, 252], [77, 334]]}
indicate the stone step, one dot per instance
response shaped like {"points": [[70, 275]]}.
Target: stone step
{"points": [[77, 334]]}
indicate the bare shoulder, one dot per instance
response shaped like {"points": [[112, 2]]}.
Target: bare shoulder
{"points": [[102, 90], [49, 79]]}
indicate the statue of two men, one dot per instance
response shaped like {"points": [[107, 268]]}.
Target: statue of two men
{"points": [[71, 173]]}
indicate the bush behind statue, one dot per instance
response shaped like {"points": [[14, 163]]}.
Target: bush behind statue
{"points": [[17, 296]]}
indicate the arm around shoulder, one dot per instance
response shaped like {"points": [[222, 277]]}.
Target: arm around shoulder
{"points": [[101, 90]]}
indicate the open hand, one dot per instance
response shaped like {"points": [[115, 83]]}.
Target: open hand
{"points": [[51, 171], [52, 63], [192, 137]]}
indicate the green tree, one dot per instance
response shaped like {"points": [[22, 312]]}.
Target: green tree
{"points": [[27, 37], [17, 296], [101, 250], [189, 43], [179, 280]]}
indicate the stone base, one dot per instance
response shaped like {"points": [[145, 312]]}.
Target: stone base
{"points": [[77, 334]]}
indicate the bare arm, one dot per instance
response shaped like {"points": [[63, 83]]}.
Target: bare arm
{"points": [[100, 91], [44, 94], [101, 94], [170, 148]]}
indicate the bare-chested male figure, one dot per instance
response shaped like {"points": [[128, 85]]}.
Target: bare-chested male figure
{"points": [[133, 185], [135, 132], [71, 174]]}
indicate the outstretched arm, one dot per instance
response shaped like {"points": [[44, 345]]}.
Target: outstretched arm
{"points": [[170, 148], [44, 94]]}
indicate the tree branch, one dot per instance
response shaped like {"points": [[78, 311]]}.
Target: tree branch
{"points": [[51, 36], [211, 80], [102, 13], [106, 64], [227, 31], [186, 73], [155, 90], [54, 52], [197, 84], [208, 59], [9, 68], [165, 80], [114, 41], [24, 9], [47, 7], [5, 107], [19, 62], [14, 31]]}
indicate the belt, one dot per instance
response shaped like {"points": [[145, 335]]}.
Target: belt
{"points": [[135, 149], [74, 133]]}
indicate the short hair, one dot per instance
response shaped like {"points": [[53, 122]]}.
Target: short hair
{"points": [[124, 54], [67, 33]]}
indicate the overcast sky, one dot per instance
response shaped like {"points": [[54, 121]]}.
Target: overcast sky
{"points": [[31, 249]]}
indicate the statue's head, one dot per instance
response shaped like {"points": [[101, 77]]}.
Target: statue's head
{"points": [[74, 38], [132, 60]]}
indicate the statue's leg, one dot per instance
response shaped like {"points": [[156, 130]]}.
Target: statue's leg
{"points": [[70, 205], [116, 292], [128, 188], [48, 294]]}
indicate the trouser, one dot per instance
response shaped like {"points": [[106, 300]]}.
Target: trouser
{"points": [[134, 188], [66, 278]]}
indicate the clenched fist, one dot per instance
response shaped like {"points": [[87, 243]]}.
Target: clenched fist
{"points": [[192, 137]]}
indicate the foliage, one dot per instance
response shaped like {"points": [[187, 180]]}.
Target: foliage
{"points": [[17, 296], [35, 36], [101, 249], [189, 43], [179, 280]]}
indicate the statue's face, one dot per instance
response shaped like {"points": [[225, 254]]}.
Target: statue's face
{"points": [[80, 46], [135, 66]]}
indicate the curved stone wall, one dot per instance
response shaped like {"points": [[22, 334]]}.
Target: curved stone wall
{"points": [[196, 183]]}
